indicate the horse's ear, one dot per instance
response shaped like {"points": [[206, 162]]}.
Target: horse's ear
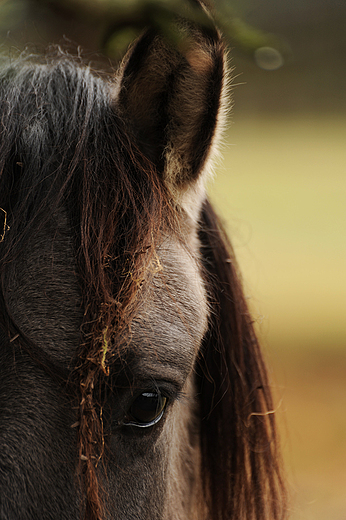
{"points": [[171, 95]]}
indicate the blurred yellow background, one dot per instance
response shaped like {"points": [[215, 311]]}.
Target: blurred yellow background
{"points": [[281, 189]]}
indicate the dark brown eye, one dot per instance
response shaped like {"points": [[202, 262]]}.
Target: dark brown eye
{"points": [[146, 410]]}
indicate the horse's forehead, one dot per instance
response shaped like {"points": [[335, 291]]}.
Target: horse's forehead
{"points": [[172, 316], [167, 328]]}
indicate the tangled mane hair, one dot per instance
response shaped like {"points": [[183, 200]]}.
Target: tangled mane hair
{"points": [[62, 145]]}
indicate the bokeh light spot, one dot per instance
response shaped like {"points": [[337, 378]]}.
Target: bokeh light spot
{"points": [[268, 58]]}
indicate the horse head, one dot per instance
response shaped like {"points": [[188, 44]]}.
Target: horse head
{"points": [[132, 384]]}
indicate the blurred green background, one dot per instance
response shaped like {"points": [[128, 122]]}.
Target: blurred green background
{"points": [[281, 189]]}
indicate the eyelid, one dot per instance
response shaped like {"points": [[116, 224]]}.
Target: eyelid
{"points": [[167, 389]]}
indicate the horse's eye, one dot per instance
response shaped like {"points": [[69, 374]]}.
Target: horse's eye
{"points": [[146, 410]]}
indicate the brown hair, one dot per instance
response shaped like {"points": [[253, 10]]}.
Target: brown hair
{"points": [[121, 223], [242, 467]]}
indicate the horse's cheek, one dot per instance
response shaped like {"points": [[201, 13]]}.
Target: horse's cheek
{"points": [[135, 479], [181, 437], [156, 475], [36, 440]]}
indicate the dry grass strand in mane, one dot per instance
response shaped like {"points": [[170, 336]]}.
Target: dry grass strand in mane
{"points": [[118, 242]]}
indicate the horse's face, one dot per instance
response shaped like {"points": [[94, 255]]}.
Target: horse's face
{"points": [[152, 469], [146, 459], [131, 382], [166, 335]]}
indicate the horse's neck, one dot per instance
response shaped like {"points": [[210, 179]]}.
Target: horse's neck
{"points": [[43, 296]]}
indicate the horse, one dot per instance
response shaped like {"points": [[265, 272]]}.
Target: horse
{"points": [[132, 383]]}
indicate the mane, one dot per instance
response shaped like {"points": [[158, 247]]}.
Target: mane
{"points": [[63, 145], [243, 476]]}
